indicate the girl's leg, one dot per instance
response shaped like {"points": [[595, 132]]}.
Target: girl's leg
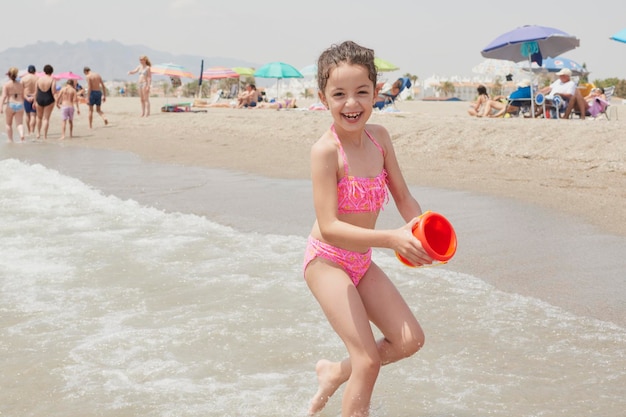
{"points": [[63, 125], [346, 313], [8, 117], [402, 333], [403, 336], [19, 120]]}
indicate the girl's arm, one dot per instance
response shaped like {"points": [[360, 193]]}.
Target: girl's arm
{"points": [[134, 71]]}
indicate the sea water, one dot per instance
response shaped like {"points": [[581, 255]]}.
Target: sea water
{"points": [[111, 307]]}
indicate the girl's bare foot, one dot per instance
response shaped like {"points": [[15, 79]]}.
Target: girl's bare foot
{"points": [[329, 379]]}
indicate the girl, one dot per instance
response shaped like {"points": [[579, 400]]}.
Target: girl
{"points": [[145, 79], [352, 165], [13, 97]]}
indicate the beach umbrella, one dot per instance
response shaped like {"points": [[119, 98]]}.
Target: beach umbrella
{"points": [[530, 43], [496, 67], [278, 70], [244, 71], [218, 73], [557, 64], [68, 75], [200, 78], [309, 70], [171, 70], [620, 36], [384, 66]]}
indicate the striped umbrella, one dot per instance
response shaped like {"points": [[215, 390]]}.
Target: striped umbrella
{"points": [[171, 70], [244, 71], [218, 73]]}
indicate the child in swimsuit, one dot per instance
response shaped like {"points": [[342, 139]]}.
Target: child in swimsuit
{"points": [[68, 98], [354, 167]]}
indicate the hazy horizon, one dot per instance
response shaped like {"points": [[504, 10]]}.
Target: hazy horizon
{"points": [[419, 39]]}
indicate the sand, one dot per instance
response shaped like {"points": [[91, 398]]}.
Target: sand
{"points": [[573, 166]]}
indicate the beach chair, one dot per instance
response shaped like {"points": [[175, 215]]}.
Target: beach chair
{"points": [[602, 105], [608, 93], [390, 99]]}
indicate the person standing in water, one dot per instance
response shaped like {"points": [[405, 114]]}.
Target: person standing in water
{"points": [[66, 101], [13, 97], [353, 170]]}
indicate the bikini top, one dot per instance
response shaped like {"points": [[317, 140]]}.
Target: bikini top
{"points": [[360, 194], [144, 70]]}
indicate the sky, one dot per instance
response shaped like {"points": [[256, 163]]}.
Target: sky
{"points": [[442, 38]]}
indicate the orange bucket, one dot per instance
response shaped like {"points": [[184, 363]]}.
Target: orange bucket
{"points": [[437, 236]]}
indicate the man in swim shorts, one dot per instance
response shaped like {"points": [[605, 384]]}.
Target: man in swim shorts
{"points": [[29, 82], [97, 94]]}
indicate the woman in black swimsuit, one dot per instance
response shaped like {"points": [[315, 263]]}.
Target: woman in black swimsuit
{"points": [[46, 87]]}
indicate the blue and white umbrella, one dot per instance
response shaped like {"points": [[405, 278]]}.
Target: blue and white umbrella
{"points": [[556, 65]]}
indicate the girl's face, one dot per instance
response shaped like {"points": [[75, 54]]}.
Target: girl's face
{"points": [[349, 95]]}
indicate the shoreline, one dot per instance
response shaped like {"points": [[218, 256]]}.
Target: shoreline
{"points": [[575, 167], [526, 209]]}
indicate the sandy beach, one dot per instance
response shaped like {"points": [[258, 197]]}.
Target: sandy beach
{"points": [[576, 167], [539, 170]]}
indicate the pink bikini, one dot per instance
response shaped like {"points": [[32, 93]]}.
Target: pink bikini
{"points": [[354, 195]]}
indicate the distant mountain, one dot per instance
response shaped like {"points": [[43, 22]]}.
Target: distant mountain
{"points": [[111, 59]]}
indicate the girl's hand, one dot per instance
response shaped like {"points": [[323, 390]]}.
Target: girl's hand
{"points": [[410, 247]]}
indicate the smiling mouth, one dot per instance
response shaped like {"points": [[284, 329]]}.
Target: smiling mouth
{"points": [[352, 116]]}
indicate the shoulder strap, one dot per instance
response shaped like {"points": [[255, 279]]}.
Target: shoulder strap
{"points": [[341, 151], [374, 141]]}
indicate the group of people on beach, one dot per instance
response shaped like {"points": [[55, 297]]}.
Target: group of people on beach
{"points": [[354, 171], [34, 96], [562, 87]]}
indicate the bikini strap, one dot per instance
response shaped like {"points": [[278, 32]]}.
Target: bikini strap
{"points": [[343, 154], [380, 148]]}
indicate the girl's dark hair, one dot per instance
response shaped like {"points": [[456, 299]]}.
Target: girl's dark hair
{"points": [[482, 90], [47, 69], [346, 52]]}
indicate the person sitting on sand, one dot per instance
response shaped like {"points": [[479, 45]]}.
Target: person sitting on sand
{"points": [[510, 104], [477, 108], [288, 103], [248, 98]]}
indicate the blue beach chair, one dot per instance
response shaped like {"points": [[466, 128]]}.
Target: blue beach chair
{"points": [[390, 99]]}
